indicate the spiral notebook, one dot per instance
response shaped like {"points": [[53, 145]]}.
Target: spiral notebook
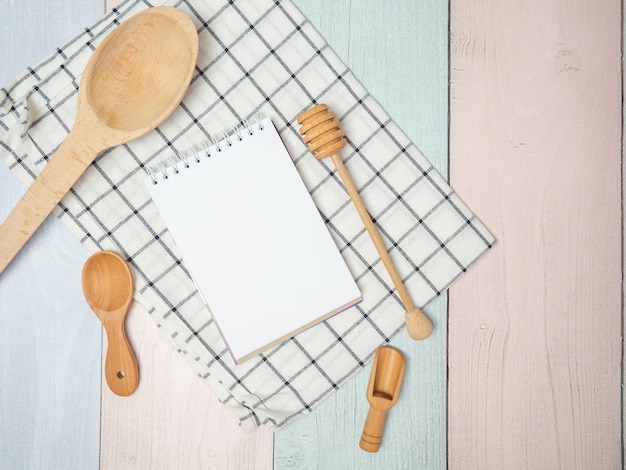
{"points": [[252, 238]]}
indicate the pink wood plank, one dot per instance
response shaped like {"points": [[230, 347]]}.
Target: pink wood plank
{"points": [[172, 420], [535, 327]]}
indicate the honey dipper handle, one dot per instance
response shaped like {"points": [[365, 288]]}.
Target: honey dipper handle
{"points": [[418, 324], [372, 230]]}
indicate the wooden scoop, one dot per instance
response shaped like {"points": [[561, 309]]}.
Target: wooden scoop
{"points": [[133, 81], [321, 132], [108, 289], [383, 390]]}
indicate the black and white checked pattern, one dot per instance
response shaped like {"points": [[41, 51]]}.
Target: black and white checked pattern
{"points": [[257, 57]]}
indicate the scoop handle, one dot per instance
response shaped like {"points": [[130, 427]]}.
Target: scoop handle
{"points": [[121, 370], [63, 170], [372, 434]]}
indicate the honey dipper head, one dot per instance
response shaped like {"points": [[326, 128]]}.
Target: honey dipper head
{"points": [[320, 131]]}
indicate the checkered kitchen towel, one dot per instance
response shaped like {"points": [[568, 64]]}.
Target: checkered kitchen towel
{"points": [[257, 57]]}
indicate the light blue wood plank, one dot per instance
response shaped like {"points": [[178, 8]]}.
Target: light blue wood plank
{"points": [[50, 342], [399, 50]]}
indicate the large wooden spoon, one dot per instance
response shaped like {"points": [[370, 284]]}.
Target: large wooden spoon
{"points": [[108, 289], [133, 81]]}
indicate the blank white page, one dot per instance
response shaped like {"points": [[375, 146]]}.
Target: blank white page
{"points": [[254, 241]]}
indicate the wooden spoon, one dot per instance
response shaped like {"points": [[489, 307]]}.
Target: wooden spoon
{"points": [[133, 81], [108, 289], [383, 390]]}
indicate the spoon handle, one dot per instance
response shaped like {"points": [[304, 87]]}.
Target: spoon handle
{"points": [[55, 180], [121, 370]]}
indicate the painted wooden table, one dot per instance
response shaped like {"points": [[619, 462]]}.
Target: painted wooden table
{"points": [[519, 103]]}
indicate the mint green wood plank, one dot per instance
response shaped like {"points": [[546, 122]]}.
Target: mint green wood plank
{"points": [[399, 50], [50, 343]]}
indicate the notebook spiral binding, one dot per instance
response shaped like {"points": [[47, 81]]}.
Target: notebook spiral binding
{"points": [[174, 164]]}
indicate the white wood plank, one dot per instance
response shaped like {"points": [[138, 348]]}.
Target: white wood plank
{"points": [[399, 51], [535, 329], [31, 29], [50, 342]]}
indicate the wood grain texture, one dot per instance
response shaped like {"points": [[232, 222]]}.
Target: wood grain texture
{"points": [[31, 29], [399, 51], [50, 342], [172, 421], [50, 348], [535, 328]]}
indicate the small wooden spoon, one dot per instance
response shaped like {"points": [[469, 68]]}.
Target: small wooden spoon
{"points": [[383, 390], [133, 81], [108, 289]]}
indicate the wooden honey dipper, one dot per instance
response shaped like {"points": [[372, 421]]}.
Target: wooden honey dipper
{"points": [[321, 133]]}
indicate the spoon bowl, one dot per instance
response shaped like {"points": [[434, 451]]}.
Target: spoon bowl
{"points": [[134, 80], [107, 283], [135, 74], [108, 288]]}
